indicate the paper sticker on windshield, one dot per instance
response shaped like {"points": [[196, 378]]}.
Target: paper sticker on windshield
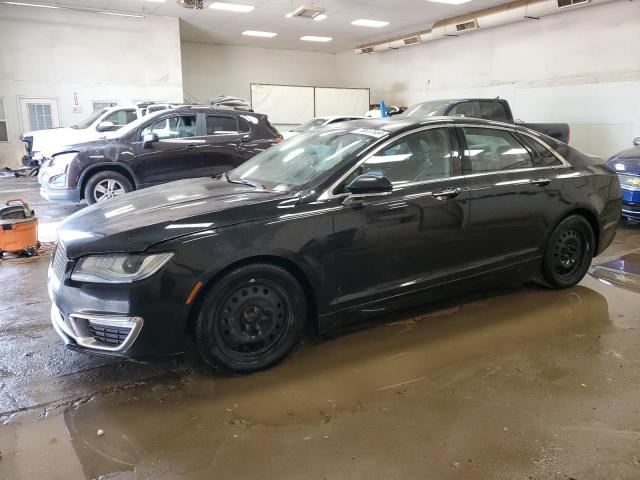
{"points": [[371, 132]]}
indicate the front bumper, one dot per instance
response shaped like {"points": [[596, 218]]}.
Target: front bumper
{"points": [[630, 203], [108, 318], [60, 194], [106, 333]]}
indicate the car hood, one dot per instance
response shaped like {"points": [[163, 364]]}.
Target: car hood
{"points": [[629, 159], [140, 219], [56, 140]]}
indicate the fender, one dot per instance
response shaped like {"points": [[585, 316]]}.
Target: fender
{"points": [[87, 172]]}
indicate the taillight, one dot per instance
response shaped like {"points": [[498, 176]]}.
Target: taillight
{"points": [[279, 139]]}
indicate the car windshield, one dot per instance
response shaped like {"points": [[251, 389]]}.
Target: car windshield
{"points": [[310, 125], [427, 109], [92, 118], [304, 159]]}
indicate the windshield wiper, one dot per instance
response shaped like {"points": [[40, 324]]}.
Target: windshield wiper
{"points": [[242, 181]]}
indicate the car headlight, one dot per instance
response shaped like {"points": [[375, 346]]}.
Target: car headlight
{"points": [[629, 182], [59, 163], [119, 267]]}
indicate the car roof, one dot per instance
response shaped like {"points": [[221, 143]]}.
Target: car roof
{"points": [[334, 117], [396, 124], [210, 109]]}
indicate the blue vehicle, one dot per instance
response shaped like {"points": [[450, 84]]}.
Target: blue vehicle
{"points": [[627, 165]]}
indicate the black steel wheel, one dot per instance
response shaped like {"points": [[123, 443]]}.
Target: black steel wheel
{"points": [[250, 319], [568, 252]]}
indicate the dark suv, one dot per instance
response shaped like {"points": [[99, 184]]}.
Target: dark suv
{"points": [[172, 144]]}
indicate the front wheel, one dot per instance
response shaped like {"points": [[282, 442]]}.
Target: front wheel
{"points": [[568, 253], [250, 319], [105, 185]]}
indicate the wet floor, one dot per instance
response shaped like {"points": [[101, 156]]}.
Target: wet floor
{"points": [[524, 383]]}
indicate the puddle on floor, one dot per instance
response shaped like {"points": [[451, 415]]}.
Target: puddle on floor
{"points": [[180, 421]]}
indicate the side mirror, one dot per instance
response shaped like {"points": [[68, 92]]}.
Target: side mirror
{"points": [[636, 142], [149, 139], [367, 186], [105, 127]]}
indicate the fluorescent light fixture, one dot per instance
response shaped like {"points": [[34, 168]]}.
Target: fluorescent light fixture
{"points": [[450, 2], [363, 22], [71, 9], [232, 7], [319, 18], [257, 33], [31, 5], [311, 38], [116, 14], [289, 15]]}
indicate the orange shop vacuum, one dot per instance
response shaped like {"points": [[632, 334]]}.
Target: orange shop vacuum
{"points": [[18, 229]]}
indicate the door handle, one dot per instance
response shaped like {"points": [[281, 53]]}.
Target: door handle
{"points": [[540, 181], [447, 193], [190, 147]]}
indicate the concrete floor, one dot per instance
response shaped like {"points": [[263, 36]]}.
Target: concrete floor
{"points": [[525, 383]]}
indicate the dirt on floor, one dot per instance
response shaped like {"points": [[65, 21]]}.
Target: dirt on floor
{"points": [[525, 383]]}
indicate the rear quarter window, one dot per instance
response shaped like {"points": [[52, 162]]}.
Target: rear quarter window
{"points": [[543, 157]]}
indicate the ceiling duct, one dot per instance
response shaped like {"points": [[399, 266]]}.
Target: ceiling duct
{"points": [[196, 4], [505, 14], [308, 11], [570, 3], [466, 26]]}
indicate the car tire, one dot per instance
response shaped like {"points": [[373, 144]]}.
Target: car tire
{"points": [[568, 253], [250, 319], [104, 185]]}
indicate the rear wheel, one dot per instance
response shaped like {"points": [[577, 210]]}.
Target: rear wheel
{"points": [[105, 185], [568, 252], [251, 319]]}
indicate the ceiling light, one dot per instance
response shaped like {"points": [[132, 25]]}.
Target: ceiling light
{"points": [[363, 22], [289, 15], [30, 5], [450, 2], [319, 18], [232, 7], [157, 1], [116, 14], [311, 38], [257, 33]]}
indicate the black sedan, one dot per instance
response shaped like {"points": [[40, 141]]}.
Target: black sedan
{"points": [[327, 227]]}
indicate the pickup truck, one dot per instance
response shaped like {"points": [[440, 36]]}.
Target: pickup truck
{"points": [[496, 109], [41, 144]]}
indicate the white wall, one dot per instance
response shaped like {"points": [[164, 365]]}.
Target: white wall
{"points": [[49, 53], [212, 70], [581, 67]]}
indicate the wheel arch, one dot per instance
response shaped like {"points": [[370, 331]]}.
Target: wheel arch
{"points": [[289, 265], [590, 216], [106, 167]]}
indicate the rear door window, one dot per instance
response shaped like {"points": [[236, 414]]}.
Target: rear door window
{"points": [[491, 150], [221, 125]]}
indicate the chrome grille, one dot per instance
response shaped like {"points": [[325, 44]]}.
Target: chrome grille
{"points": [[59, 262]]}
